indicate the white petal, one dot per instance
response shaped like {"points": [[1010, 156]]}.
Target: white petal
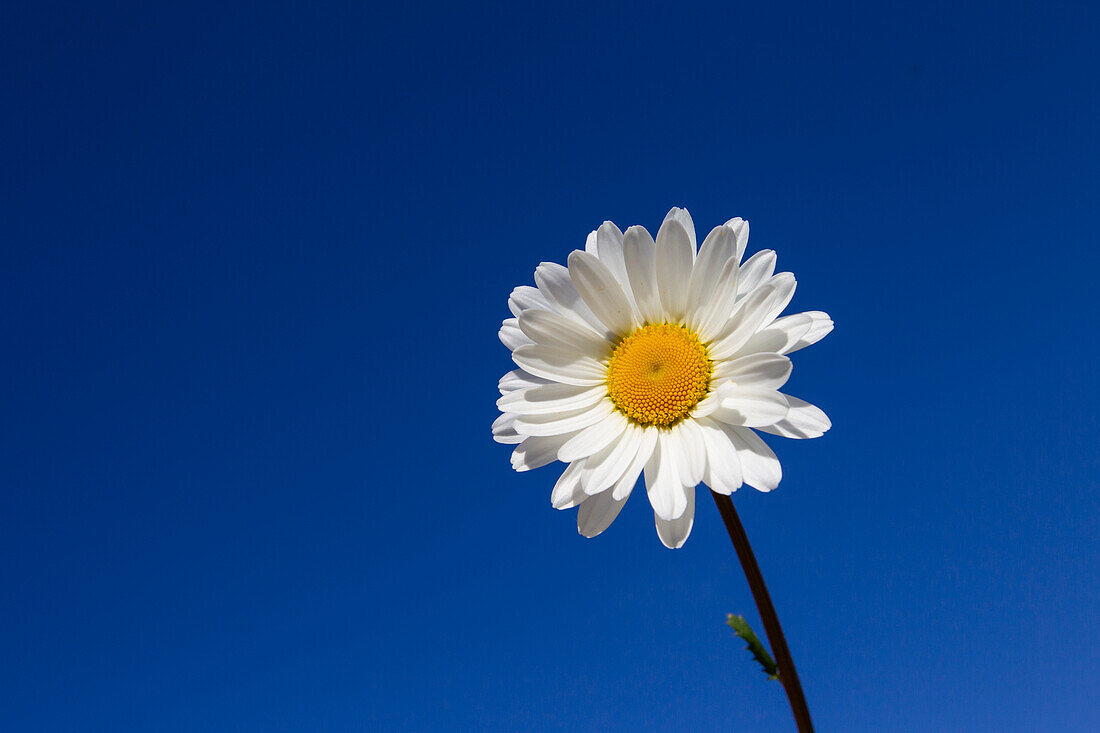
{"points": [[763, 371], [640, 254], [504, 430], [723, 472], [675, 255], [712, 315], [780, 337], [759, 466], [756, 270], [822, 325], [712, 401], [554, 283], [550, 398], [554, 329], [785, 285], [684, 219], [718, 247], [511, 336], [609, 248], [526, 298], [607, 467], [519, 379], [597, 513], [675, 533], [590, 243], [594, 438], [662, 479], [693, 453], [742, 228], [536, 452], [748, 317], [646, 445], [567, 491], [803, 421], [562, 422], [560, 365], [752, 408], [602, 292]]}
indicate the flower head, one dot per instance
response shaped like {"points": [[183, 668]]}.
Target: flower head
{"points": [[650, 357]]}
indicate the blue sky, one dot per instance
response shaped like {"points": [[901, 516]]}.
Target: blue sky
{"points": [[253, 263]]}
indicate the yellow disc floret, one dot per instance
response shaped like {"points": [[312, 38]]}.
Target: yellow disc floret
{"points": [[658, 374]]}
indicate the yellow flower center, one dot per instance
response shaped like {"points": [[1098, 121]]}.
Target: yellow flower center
{"points": [[658, 374]]}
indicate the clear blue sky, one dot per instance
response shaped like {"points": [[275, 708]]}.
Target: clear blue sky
{"points": [[254, 259]]}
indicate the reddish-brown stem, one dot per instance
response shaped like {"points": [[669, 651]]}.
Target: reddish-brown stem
{"points": [[788, 676]]}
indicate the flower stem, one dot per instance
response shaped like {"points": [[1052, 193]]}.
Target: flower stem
{"points": [[787, 673]]}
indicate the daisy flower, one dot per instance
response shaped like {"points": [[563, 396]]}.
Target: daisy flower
{"points": [[657, 358]]}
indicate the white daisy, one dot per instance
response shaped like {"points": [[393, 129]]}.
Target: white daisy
{"points": [[645, 356]]}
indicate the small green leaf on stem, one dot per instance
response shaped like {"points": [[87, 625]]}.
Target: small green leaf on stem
{"points": [[741, 627]]}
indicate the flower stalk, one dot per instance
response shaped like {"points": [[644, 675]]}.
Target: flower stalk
{"points": [[788, 676]]}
